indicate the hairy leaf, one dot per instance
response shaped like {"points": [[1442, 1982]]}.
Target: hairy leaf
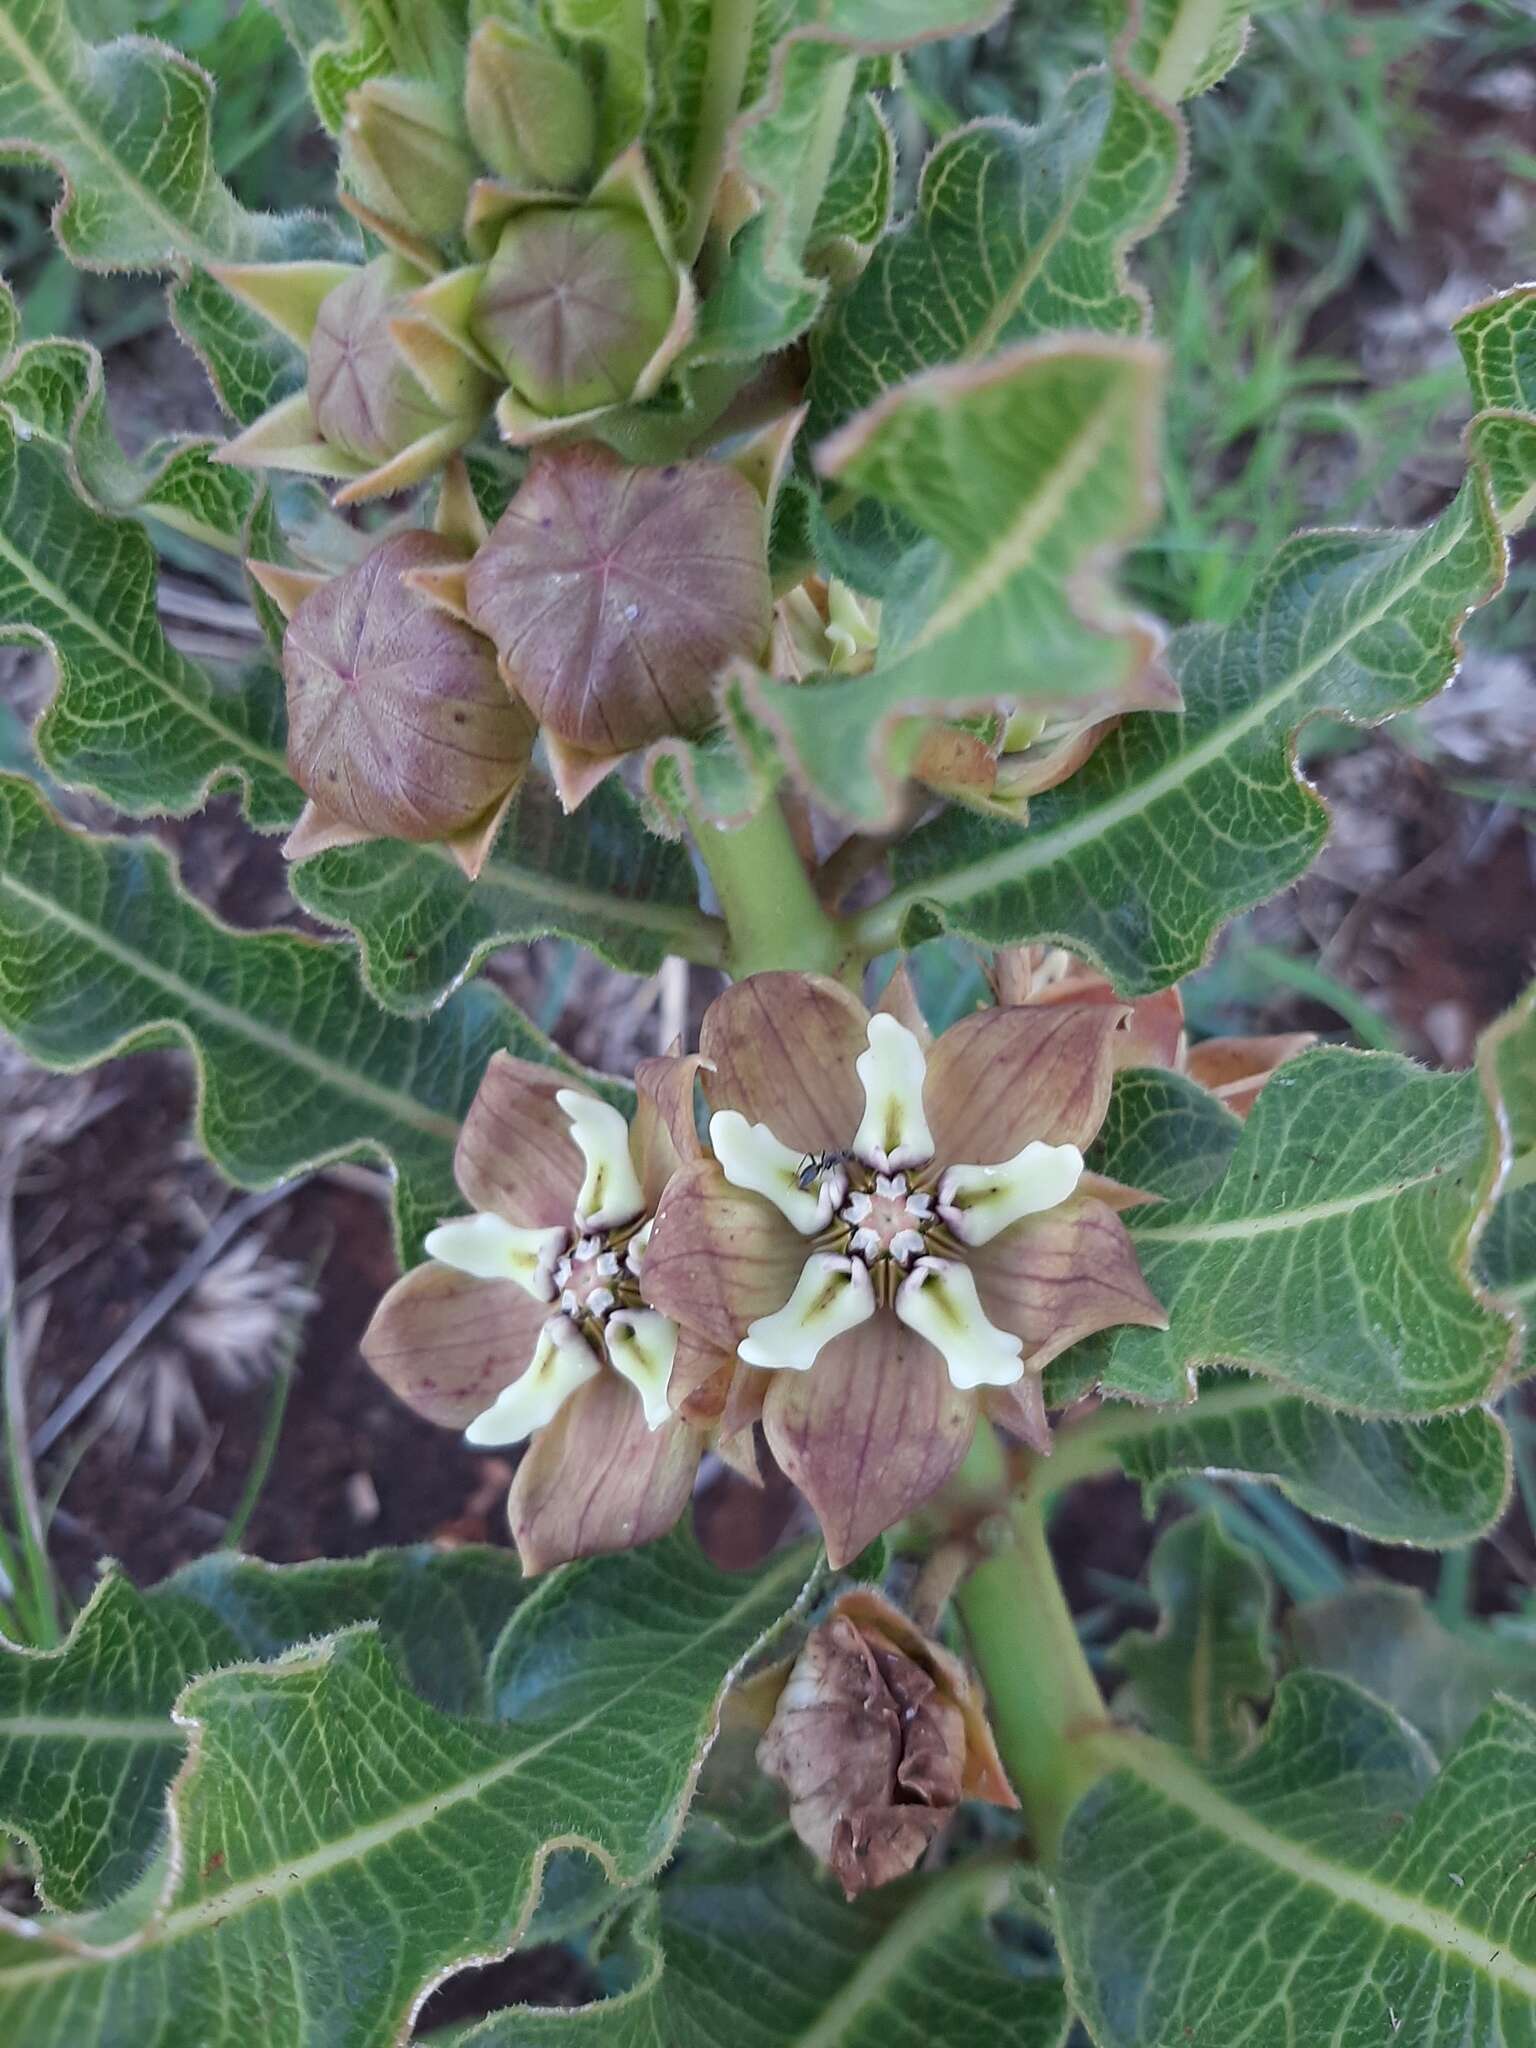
{"points": [[751, 1948], [1498, 346], [1507, 1059], [602, 879], [88, 1747], [1197, 1681], [1015, 233], [130, 717], [1177, 823], [1333, 1255], [341, 1845], [1184, 47], [1027, 475], [1387, 1639], [1165, 1134], [1287, 1898], [1433, 1484], [101, 953]]}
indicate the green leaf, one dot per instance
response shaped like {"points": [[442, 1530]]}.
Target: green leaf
{"points": [[1389, 1642], [1432, 1484], [249, 364], [130, 717], [1498, 346], [53, 391], [1184, 47], [126, 126], [1178, 822], [88, 1748], [1016, 233], [600, 878], [755, 1950], [856, 205], [1198, 1680], [1334, 1253], [1506, 1256], [1027, 475], [101, 953], [1165, 1134], [1286, 1898], [342, 1845], [786, 144]]}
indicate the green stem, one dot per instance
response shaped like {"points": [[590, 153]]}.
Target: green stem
{"points": [[773, 916], [819, 154], [725, 75], [1046, 1705]]}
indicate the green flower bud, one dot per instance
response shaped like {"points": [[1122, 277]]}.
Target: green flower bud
{"points": [[574, 305], [399, 725], [364, 398], [405, 152], [530, 114]]}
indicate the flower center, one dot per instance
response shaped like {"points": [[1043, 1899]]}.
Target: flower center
{"points": [[598, 1274], [885, 1222]]}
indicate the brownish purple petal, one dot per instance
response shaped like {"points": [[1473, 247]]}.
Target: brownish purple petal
{"points": [[870, 1432], [516, 1157], [718, 1258], [1058, 1277], [448, 1344], [664, 1135], [1006, 1076], [1235, 1069], [782, 1048], [597, 1479]]}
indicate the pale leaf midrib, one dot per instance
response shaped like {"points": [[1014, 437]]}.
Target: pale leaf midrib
{"points": [[587, 900], [1165, 1773], [182, 239], [414, 1115], [291, 1874], [86, 1728], [204, 713], [1048, 847], [1242, 1227]]}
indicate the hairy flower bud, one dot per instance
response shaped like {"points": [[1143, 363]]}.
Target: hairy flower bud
{"points": [[574, 304], [399, 725], [363, 397], [617, 595], [404, 150], [877, 1736], [529, 112]]}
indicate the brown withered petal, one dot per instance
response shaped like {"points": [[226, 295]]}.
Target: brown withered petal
{"points": [[782, 1048], [718, 1258], [615, 595], [1005, 1076], [1151, 1036], [448, 1344], [596, 1479], [1058, 1277], [575, 303], [876, 1736], [363, 397], [664, 1134], [516, 1157], [870, 1432], [1235, 1069], [398, 722]]}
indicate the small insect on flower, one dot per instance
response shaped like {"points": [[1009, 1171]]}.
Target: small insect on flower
{"points": [[816, 1165]]}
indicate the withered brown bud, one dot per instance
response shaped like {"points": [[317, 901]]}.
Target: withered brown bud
{"points": [[575, 303], [364, 398], [399, 724], [617, 595], [877, 1736]]}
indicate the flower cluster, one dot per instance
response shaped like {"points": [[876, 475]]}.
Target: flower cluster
{"points": [[887, 1237]]}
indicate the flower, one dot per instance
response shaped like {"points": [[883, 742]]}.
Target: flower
{"points": [[877, 1736], [532, 1319], [890, 1236], [399, 724]]}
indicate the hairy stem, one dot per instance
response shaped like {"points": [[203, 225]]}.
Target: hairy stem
{"points": [[1046, 1704], [773, 916]]}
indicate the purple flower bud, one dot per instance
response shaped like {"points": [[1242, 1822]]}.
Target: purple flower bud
{"points": [[399, 724], [365, 399], [616, 596]]}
